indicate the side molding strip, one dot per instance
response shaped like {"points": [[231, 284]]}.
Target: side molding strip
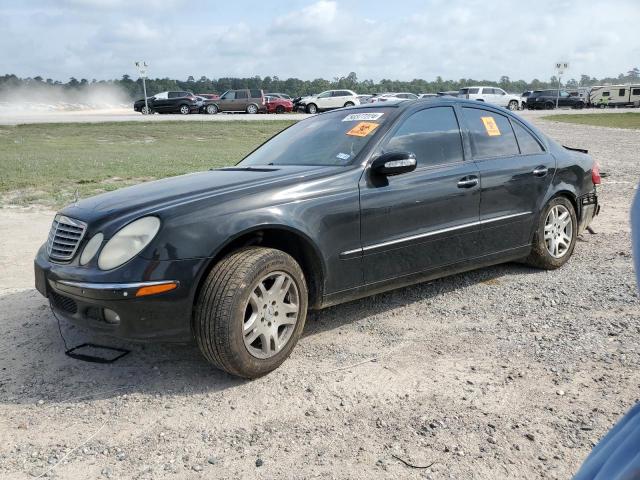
{"points": [[359, 251]]}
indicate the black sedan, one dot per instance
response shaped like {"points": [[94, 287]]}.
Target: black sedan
{"points": [[169, 102], [547, 99], [338, 206]]}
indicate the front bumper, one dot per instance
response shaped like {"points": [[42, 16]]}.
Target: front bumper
{"points": [[109, 307]]}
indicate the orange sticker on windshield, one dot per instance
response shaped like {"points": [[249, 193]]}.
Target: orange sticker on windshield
{"points": [[362, 129], [490, 126]]}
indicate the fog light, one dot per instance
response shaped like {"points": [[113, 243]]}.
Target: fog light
{"points": [[111, 317]]}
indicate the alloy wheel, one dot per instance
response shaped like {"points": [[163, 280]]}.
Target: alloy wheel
{"points": [[184, 109], [558, 231], [271, 314]]}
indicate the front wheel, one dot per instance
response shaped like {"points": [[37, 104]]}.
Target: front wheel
{"points": [[145, 110], [279, 109], [513, 105], [549, 106], [312, 108], [349, 104], [251, 311], [555, 237], [185, 110]]}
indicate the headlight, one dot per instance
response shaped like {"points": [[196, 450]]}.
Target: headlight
{"points": [[91, 248], [128, 242]]}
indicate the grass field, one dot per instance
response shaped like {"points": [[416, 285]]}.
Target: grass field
{"points": [[46, 163], [614, 120]]}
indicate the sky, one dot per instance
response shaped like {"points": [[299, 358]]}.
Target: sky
{"points": [[399, 40]]}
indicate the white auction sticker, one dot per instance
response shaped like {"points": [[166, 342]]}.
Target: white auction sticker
{"points": [[358, 117]]}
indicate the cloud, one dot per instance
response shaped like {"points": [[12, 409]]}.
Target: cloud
{"points": [[311, 39]]}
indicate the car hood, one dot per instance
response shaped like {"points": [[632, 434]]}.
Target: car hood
{"points": [[162, 194]]}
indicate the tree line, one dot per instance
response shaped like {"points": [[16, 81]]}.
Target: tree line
{"points": [[296, 87]]}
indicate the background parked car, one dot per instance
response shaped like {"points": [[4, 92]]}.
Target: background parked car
{"points": [[249, 100], [329, 100], [427, 95], [385, 97], [279, 95], [206, 105], [277, 104], [493, 95], [168, 102], [546, 99], [364, 98]]}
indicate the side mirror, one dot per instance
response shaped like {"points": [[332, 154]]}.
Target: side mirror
{"points": [[394, 163]]}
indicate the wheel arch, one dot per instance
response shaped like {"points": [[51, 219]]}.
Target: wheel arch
{"points": [[284, 238]]}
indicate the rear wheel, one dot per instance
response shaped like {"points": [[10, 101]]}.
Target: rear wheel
{"points": [[513, 105], [549, 106], [312, 108], [212, 109], [252, 108], [279, 109], [185, 110], [145, 110], [251, 311], [555, 237]]}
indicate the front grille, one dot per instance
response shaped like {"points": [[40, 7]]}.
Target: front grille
{"points": [[64, 238], [66, 304]]}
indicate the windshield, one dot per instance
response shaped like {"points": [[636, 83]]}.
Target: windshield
{"points": [[330, 139]]}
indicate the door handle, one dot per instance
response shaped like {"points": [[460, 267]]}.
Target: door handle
{"points": [[540, 171], [468, 182]]}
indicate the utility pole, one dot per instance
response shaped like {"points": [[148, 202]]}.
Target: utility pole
{"points": [[560, 68], [142, 71]]}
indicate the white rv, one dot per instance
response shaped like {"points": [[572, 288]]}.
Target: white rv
{"points": [[615, 96]]}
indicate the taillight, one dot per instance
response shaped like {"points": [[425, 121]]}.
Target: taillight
{"points": [[595, 174]]}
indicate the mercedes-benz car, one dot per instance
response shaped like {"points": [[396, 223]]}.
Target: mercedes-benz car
{"points": [[336, 207]]}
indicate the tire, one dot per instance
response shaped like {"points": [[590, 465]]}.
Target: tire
{"points": [[541, 255], [230, 298], [312, 108], [279, 109], [146, 110], [252, 108], [549, 106], [349, 104], [184, 109], [580, 106], [211, 109], [513, 105]]}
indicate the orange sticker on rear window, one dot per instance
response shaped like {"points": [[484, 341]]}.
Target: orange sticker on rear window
{"points": [[362, 129], [490, 126]]}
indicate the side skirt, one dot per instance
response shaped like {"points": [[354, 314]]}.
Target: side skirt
{"points": [[424, 276]]}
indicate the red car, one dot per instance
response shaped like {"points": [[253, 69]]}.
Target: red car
{"points": [[277, 105]]}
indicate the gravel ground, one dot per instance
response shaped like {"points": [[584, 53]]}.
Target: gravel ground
{"points": [[503, 372]]}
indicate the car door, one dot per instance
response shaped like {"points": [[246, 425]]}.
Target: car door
{"points": [[338, 99], [500, 97], [487, 94], [565, 99], [426, 218], [323, 101], [225, 102], [161, 102], [515, 173]]}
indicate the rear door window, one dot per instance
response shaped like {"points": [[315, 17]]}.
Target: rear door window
{"points": [[240, 94], [529, 145], [491, 133], [174, 95], [433, 134]]}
